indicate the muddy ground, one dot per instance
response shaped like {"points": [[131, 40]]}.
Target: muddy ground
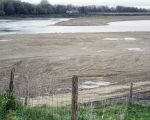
{"points": [[100, 20], [45, 63], [59, 56]]}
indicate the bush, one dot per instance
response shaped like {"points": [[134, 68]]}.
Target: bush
{"points": [[8, 103]]}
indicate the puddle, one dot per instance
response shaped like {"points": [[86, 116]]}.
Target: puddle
{"points": [[60, 90], [115, 39], [4, 40], [111, 39], [135, 49], [99, 51], [93, 84], [130, 39], [84, 48], [64, 90]]}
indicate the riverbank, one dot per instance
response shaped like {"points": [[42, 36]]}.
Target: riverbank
{"points": [[110, 15]]}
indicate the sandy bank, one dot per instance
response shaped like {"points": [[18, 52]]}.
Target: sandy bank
{"points": [[99, 20]]}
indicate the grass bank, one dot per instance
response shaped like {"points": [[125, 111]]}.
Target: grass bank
{"points": [[12, 109]]}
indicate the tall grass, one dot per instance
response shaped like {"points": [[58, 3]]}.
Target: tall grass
{"points": [[12, 109]]}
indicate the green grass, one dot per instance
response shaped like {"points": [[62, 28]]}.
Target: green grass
{"points": [[13, 110]]}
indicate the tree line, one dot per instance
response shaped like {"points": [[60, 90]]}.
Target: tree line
{"points": [[16, 7]]}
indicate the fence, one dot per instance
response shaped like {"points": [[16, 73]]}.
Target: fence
{"points": [[79, 94]]}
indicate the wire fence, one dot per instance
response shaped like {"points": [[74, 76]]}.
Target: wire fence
{"points": [[90, 92]]}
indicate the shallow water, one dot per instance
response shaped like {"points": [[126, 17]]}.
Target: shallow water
{"points": [[120, 39], [28, 26], [135, 49], [45, 26], [93, 84]]}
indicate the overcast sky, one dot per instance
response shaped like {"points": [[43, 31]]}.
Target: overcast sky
{"points": [[135, 3]]}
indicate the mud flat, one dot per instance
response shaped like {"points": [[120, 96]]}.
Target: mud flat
{"points": [[99, 20], [50, 60], [45, 63]]}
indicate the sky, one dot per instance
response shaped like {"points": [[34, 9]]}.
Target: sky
{"points": [[132, 3]]}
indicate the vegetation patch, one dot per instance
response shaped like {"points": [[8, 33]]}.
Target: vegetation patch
{"points": [[16, 7], [12, 109]]}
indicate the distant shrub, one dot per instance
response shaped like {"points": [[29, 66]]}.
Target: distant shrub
{"points": [[2, 13]]}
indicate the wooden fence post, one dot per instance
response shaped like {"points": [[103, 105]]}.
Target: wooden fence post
{"points": [[131, 94], [27, 90], [74, 98], [11, 84]]}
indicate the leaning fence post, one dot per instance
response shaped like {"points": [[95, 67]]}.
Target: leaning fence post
{"points": [[11, 84], [27, 90], [74, 98], [131, 94]]}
